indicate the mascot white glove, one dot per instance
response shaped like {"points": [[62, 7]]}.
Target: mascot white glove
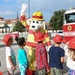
{"points": [[23, 9]]}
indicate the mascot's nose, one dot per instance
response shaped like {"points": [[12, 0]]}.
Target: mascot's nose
{"points": [[33, 26]]}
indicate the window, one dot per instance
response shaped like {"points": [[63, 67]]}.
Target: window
{"points": [[70, 18]]}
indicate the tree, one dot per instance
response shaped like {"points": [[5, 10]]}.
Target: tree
{"points": [[18, 27], [56, 20]]}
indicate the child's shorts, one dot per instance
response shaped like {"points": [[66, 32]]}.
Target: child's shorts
{"points": [[56, 71], [11, 71], [71, 72], [41, 72], [22, 69]]}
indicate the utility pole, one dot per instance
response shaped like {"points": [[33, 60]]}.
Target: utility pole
{"points": [[28, 8], [17, 16]]}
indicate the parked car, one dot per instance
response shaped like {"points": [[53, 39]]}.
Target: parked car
{"points": [[60, 33]]}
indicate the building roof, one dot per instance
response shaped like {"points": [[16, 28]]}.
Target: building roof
{"points": [[8, 21], [5, 26], [48, 26], [1, 17]]}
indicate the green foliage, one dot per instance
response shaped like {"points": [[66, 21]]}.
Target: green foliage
{"points": [[56, 20], [18, 27]]}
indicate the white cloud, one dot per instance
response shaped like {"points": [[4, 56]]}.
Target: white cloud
{"points": [[7, 13]]}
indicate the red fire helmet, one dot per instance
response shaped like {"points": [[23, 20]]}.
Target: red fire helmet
{"points": [[64, 41], [6, 38], [57, 38], [38, 36], [1, 73], [71, 43]]}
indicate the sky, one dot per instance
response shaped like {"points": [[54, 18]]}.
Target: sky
{"points": [[9, 8]]}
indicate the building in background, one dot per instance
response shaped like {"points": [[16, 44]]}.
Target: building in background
{"points": [[48, 26], [6, 25]]}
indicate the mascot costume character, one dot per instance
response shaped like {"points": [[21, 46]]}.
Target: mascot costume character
{"points": [[36, 23]]}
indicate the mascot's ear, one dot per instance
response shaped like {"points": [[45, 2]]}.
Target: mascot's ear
{"points": [[43, 24], [42, 27]]}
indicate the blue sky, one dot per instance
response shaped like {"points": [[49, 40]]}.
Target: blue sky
{"points": [[9, 8]]}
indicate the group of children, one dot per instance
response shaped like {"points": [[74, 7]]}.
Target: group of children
{"points": [[56, 56], [11, 58]]}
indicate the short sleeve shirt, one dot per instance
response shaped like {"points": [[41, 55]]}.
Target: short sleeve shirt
{"points": [[22, 57], [41, 57], [10, 52], [55, 54]]}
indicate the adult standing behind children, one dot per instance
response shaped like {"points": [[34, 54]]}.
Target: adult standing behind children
{"points": [[42, 67], [70, 53], [22, 56], [56, 57], [10, 55]]}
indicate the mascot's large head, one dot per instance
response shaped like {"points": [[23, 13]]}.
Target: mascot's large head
{"points": [[37, 21]]}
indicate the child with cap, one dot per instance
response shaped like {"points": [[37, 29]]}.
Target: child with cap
{"points": [[41, 55], [56, 56], [70, 53], [22, 56], [10, 55]]}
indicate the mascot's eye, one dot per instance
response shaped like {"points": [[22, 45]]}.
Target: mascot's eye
{"points": [[33, 21], [37, 22]]}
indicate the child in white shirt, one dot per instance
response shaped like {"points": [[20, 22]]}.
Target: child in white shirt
{"points": [[10, 55], [70, 53]]}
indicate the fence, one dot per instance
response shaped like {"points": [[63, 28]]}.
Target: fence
{"points": [[23, 34]]}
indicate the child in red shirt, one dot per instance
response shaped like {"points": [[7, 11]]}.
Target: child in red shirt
{"points": [[41, 55]]}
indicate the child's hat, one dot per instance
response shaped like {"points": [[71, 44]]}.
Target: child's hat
{"points": [[1, 73], [38, 36], [71, 43], [57, 38], [6, 38], [64, 41]]}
